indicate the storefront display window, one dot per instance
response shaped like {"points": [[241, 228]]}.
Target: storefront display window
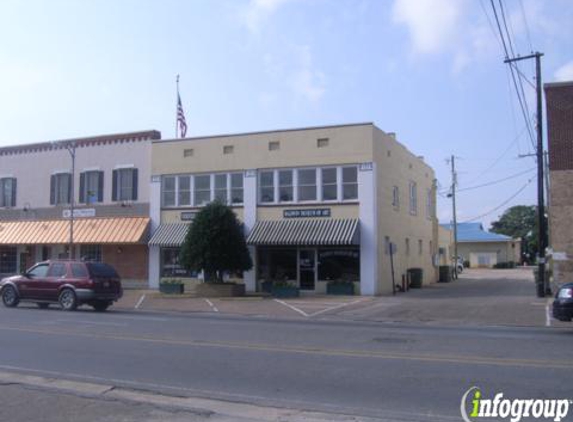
{"points": [[339, 264], [170, 266], [277, 264]]}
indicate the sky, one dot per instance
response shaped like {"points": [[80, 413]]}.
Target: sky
{"points": [[431, 71]]}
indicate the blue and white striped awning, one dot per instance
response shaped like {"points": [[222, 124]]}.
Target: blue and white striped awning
{"points": [[305, 232], [172, 234]]}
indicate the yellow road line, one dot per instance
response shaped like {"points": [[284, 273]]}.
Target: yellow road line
{"points": [[473, 360]]}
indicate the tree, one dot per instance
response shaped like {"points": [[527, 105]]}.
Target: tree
{"points": [[520, 221], [215, 243]]}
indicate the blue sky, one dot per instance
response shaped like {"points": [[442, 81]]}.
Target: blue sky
{"points": [[430, 70]]}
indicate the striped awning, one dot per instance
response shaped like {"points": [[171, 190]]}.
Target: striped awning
{"points": [[172, 234], [117, 230], [305, 232]]}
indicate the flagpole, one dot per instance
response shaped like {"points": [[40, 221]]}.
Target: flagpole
{"points": [[176, 106]]}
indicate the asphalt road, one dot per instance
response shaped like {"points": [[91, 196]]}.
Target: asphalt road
{"points": [[394, 371]]}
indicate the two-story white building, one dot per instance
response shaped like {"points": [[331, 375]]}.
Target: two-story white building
{"points": [[105, 179]]}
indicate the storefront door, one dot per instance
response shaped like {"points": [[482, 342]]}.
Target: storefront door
{"points": [[307, 268]]}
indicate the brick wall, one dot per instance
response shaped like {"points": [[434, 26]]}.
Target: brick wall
{"points": [[130, 261], [559, 101]]}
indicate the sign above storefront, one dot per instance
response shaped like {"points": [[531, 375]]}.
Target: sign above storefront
{"points": [[80, 213], [188, 215], [306, 213]]}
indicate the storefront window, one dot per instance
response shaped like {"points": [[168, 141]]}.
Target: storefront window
{"points": [[339, 264], [90, 253], [8, 260], [170, 266], [276, 264]]}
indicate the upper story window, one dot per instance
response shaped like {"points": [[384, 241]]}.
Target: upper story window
{"points": [[197, 190], [286, 186], [221, 190], [329, 184], [60, 188], [267, 186], [8, 192], [274, 146], [429, 202], [349, 183], [202, 191], [413, 198], [307, 184], [168, 190], [396, 197], [124, 185], [236, 188], [91, 187]]}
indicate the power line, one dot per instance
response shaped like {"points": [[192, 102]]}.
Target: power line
{"points": [[495, 182], [522, 100], [526, 25], [500, 205]]}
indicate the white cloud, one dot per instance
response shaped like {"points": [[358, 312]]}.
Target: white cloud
{"points": [[432, 23], [307, 81], [564, 73], [258, 12]]}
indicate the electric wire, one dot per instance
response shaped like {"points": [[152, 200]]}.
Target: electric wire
{"points": [[500, 205], [495, 182]]}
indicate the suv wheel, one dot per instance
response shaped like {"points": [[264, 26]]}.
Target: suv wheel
{"points": [[100, 305], [10, 297], [68, 300]]}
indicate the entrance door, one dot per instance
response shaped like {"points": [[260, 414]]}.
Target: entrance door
{"points": [[306, 268]]}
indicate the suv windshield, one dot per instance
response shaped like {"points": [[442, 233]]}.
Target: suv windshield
{"points": [[98, 269]]}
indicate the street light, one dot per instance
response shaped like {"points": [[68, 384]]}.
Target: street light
{"points": [[71, 148]]}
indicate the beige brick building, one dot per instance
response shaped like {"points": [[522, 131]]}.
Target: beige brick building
{"points": [[318, 204], [559, 103]]}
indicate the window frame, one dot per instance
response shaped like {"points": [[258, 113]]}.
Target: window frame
{"points": [[8, 193], [344, 184], [413, 194]]}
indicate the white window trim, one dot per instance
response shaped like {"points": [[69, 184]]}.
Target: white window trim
{"points": [[338, 185], [293, 186], [341, 197], [309, 201], [124, 166]]}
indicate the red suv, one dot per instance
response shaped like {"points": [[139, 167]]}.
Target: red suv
{"points": [[69, 283]]}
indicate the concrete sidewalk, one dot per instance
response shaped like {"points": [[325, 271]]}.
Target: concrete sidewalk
{"points": [[478, 297]]}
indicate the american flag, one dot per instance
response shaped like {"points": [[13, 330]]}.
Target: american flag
{"points": [[181, 118]]}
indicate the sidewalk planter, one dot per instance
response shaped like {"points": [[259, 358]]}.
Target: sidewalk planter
{"points": [[220, 290], [284, 290], [416, 277], [171, 288], [340, 288]]}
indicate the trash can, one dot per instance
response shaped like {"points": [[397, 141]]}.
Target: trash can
{"points": [[416, 276], [445, 274]]}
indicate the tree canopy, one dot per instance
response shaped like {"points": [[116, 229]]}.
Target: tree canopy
{"points": [[520, 221], [215, 243]]}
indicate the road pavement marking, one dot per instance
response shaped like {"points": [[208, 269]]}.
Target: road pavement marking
{"points": [[472, 360], [141, 299], [116, 324], [336, 307], [294, 308], [547, 314], [211, 305]]}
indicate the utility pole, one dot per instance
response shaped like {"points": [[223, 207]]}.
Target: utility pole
{"points": [[453, 194], [542, 286]]}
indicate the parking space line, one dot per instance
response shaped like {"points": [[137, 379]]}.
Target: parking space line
{"points": [[140, 301], [336, 307], [294, 308], [211, 305]]}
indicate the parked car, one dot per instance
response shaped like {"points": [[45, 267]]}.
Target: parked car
{"points": [[67, 282], [563, 303]]}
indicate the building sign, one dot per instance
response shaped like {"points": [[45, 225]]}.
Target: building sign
{"points": [[80, 213], [316, 212], [560, 256], [188, 215], [366, 167]]}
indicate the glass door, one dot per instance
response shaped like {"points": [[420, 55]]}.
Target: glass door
{"points": [[307, 268]]}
